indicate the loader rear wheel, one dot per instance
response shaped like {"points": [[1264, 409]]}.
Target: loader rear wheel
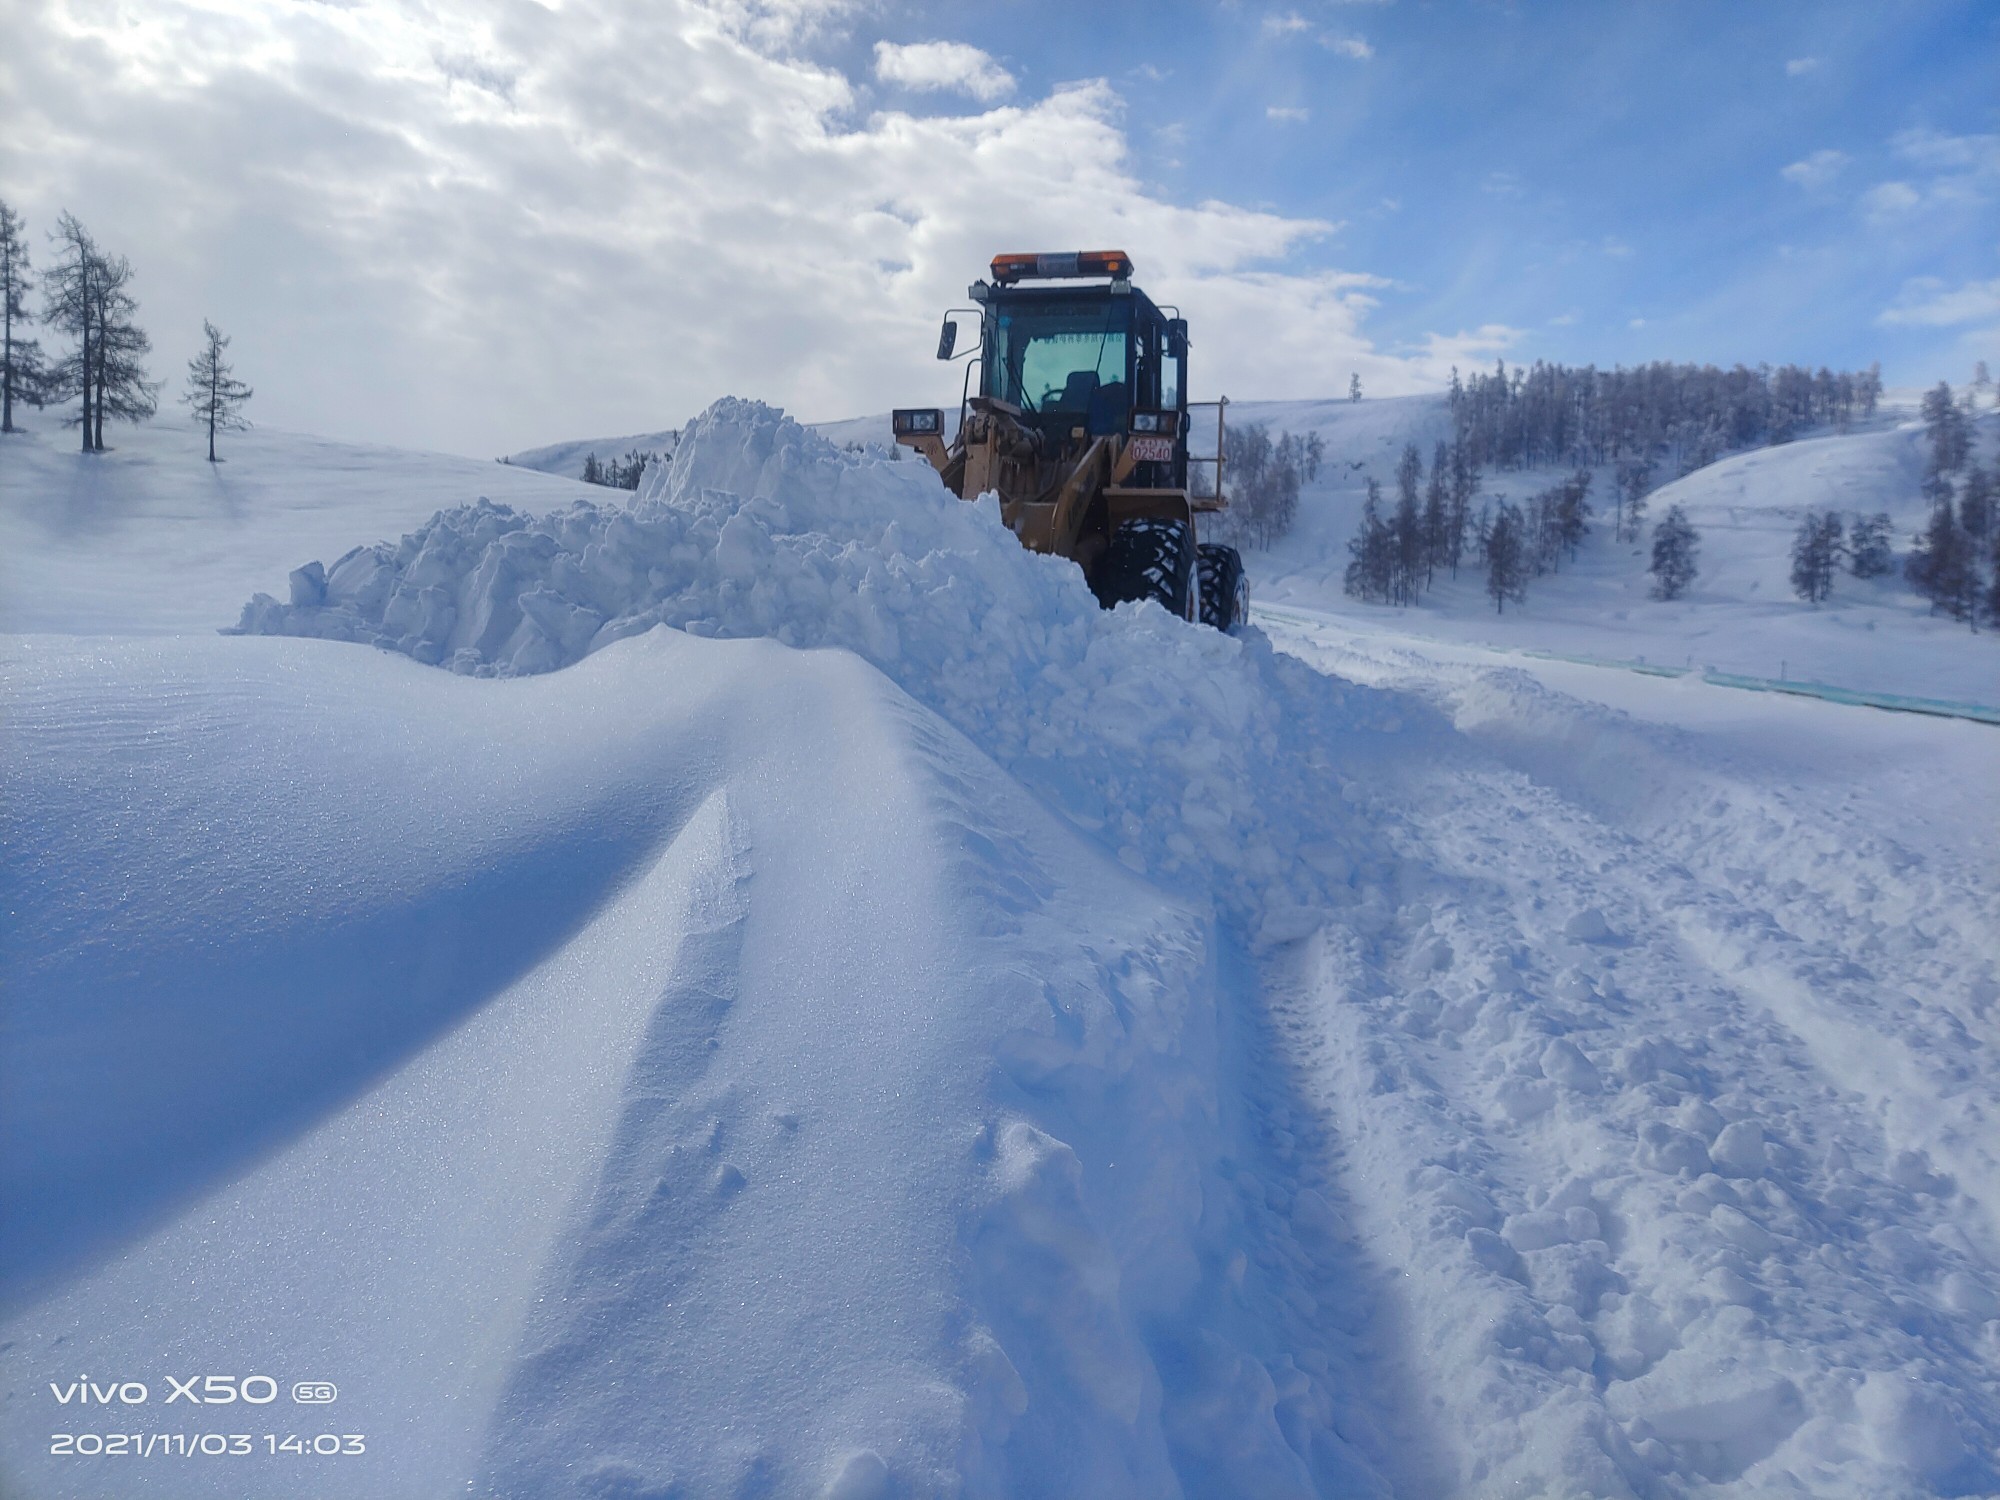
{"points": [[1151, 558], [1225, 593]]}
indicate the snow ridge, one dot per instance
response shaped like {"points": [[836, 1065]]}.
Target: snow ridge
{"points": [[1199, 759]]}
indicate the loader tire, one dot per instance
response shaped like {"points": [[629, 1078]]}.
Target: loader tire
{"points": [[1225, 593], [1149, 559]]}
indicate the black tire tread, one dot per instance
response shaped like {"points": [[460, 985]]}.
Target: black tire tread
{"points": [[1225, 596], [1149, 559]]}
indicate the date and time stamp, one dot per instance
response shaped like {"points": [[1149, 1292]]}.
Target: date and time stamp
{"points": [[109, 1410]]}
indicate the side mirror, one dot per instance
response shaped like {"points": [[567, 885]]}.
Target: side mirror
{"points": [[1177, 339], [947, 338]]}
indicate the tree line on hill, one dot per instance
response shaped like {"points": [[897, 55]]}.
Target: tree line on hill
{"points": [[1955, 559], [1395, 557], [1551, 416], [1261, 476], [86, 296]]}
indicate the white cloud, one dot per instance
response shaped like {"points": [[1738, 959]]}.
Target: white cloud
{"points": [[1288, 24], [1889, 200], [1926, 303], [1817, 170], [1952, 173], [1798, 65], [1441, 351], [1348, 46], [943, 66], [1976, 155], [766, 23], [401, 254], [1293, 116]]}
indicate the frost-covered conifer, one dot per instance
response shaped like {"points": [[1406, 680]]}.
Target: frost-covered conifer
{"points": [[1464, 485], [1371, 553], [1944, 567], [1949, 432], [1975, 504], [1407, 529], [1437, 512], [1507, 563], [1676, 545], [1635, 480], [1869, 546], [1816, 549]]}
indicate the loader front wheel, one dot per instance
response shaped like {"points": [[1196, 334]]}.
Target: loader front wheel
{"points": [[1151, 558], [1225, 593]]}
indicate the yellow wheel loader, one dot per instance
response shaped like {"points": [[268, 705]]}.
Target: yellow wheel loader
{"points": [[1080, 425]]}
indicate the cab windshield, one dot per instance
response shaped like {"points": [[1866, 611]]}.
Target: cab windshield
{"points": [[1066, 358]]}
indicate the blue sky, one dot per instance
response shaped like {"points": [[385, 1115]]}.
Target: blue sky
{"points": [[1609, 179], [483, 224]]}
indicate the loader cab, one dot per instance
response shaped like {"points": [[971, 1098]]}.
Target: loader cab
{"points": [[1093, 357]]}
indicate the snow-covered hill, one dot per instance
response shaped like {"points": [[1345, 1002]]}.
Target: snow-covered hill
{"points": [[847, 1017], [1874, 635], [151, 537]]}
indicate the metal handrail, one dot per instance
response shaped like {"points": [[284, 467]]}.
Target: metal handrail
{"points": [[1220, 404]]}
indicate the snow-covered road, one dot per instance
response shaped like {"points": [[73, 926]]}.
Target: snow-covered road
{"points": [[1672, 1083]]}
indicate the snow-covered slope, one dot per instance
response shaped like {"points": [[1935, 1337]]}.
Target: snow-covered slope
{"points": [[899, 1030], [1874, 635], [151, 536], [567, 459]]}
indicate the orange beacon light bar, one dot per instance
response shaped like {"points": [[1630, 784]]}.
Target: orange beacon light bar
{"points": [[1113, 263]]}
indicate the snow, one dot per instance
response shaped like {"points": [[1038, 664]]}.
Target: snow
{"points": [[808, 1004], [150, 537], [1874, 636], [567, 458]]}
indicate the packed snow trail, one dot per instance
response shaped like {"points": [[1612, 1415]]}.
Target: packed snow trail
{"points": [[1678, 1091]]}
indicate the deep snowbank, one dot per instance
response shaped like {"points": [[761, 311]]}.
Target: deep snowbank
{"points": [[1198, 758], [699, 1071]]}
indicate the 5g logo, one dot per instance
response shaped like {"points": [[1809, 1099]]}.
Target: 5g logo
{"points": [[314, 1392]]}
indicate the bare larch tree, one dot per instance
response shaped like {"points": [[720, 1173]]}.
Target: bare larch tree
{"points": [[213, 395]]}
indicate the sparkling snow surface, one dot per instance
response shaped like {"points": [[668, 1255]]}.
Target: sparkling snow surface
{"points": [[898, 1030]]}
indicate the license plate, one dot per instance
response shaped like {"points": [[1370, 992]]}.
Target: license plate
{"points": [[1152, 450]]}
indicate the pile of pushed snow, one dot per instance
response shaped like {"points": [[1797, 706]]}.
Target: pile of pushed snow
{"points": [[1193, 754]]}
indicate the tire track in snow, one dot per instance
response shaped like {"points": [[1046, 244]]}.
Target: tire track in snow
{"points": [[1658, 1244]]}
